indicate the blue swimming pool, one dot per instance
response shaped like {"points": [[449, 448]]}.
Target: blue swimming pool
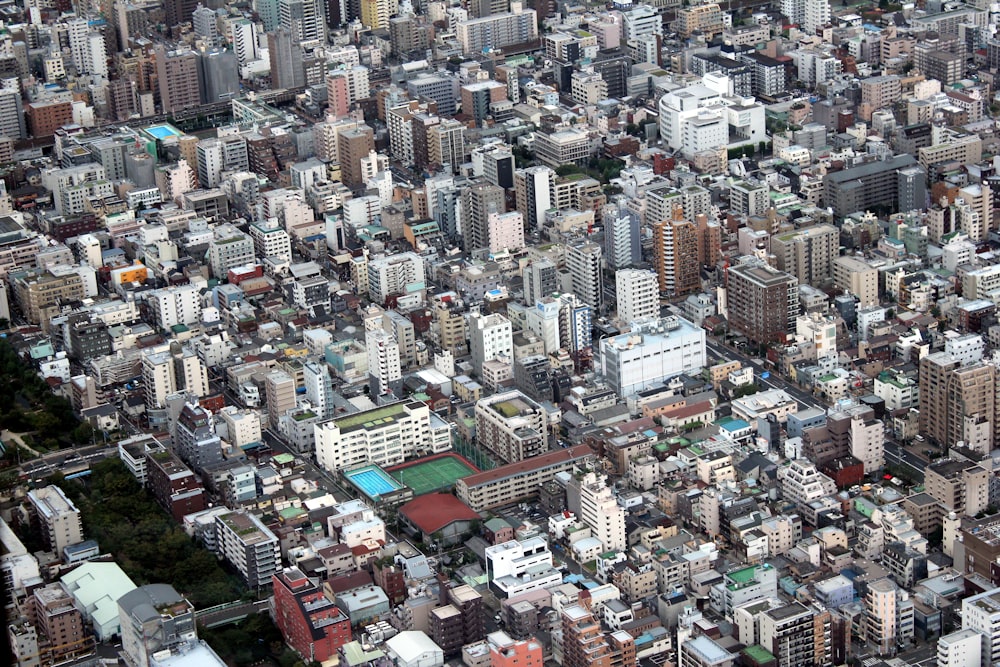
{"points": [[372, 481], [162, 131]]}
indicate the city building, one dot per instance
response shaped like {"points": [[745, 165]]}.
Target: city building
{"points": [[154, 618], [520, 481], [58, 519], [655, 351], [249, 546], [385, 436], [305, 613], [762, 302], [637, 295], [511, 426]]}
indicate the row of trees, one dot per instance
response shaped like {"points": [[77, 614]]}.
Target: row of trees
{"points": [[145, 541]]}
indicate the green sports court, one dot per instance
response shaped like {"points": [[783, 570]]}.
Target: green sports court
{"points": [[432, 473]]}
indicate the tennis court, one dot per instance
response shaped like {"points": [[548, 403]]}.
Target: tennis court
{"points": [[431, 474]]}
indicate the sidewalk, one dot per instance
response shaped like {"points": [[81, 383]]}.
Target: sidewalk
{"points": [[16, 437]]}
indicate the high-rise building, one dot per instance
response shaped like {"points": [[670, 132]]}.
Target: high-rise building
{"points": [[154, 618], [243, 34], [600, 511], [319, 388], [863, 434], [205, 24], [179, 11], [762, 301], [533, 188], [981, 614], [385, 436], [60, 635], [306, 19], [446, 144], [178, 77], [507, 652], [637, 293], [702, 651], [478, 202], [960, 486], [354, 144], [219, 75], [867, 185], [888, 619], [807, 253], [12, 115], [789, 633], [958, 403], [583, 261], [394, 274], [196, 441], [586, 645], [285, 51], [280, 390], [654, 351], [518, 26], [57, 517], [375, 14], [249, 546], [962, 648], [511, 426], [490, 336], [384, 368], [622, 239], [541, 279], [307, 616]]}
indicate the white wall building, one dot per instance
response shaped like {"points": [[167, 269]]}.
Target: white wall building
{"points": [[656, 350], [638, 294]]}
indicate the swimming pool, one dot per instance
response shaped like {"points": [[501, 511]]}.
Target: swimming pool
{"points": [[372, 481], [162, 131]]}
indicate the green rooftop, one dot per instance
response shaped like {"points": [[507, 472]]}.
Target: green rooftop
{"points": [[371, 418], [758, 654]]}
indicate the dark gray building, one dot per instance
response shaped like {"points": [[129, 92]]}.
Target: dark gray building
{"points": [[219, 78], [869, 185]]}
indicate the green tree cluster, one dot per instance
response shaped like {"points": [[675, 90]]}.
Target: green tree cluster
{"points": [[28, 404], [145, 541], [253, 641]]}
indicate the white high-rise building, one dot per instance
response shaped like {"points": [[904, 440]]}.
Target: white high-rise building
{"points": [[583, 259], [816, 15], [962, 648], [244, 35], [491, 336], [319, 388], [505, 231], [306, 19], [180, 304], [638, 294], [97, 55], [87, 48], [384, 369], [205, 24], [600, 510], [533, 189], [981, 614], [391, 275]]}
